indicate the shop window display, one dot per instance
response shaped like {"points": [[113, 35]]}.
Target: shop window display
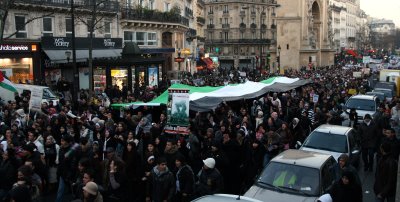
{"points": [[18, 70], [99, 80], [119, 77]]}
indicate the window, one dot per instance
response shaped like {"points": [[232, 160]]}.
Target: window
{"points": [[226, 36], [241, 35], [151, 39], [151, 4], [210, 35], [220, 35], [253, 35], [90, 26], [140, 38], [226, 9], [211, 10], [253, 20], [68, 27], [166, 7], [211, 21], [20, 26], [107, 29], [242, 20], [47, 26], [220, 21], [226, 21]]}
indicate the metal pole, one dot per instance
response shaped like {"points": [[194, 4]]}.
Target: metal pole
{"points": [[74, 66]]}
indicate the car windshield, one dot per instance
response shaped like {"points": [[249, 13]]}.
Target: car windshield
{"points": [[361, 104], [290, 178], [327, 142], [388, 93]]}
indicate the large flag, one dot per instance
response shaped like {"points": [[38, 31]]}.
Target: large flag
{"points": [[7, 84]]}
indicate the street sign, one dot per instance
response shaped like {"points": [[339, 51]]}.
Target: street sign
{"points": [[179, 59]]}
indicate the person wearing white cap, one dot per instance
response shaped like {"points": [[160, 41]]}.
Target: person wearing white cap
{"points": [[209, 179], [91, 193]]}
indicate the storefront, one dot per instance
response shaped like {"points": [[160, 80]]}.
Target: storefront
{"points": [[136, 68], [57, 59], [20, 62]]}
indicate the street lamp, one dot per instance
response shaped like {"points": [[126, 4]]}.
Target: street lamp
{"points": [[278, 58]]}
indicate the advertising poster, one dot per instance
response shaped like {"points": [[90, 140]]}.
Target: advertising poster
{"points": [[35, 102], [177, 111], [153, 76]]}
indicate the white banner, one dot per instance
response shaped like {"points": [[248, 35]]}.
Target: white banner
{"points": [[36, 98]]}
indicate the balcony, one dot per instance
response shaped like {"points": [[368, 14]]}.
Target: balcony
{"points": [[263, 13], [210, 12], [188, 12], [273, 26], [145, 15], [225, 26], [64, 5], [264, 27], [239, 41], [201, 20], [201, 3], [253, 26], [210, 26], [225, 13]]}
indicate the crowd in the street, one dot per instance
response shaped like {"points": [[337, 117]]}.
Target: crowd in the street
{"points": [[101, 154]]}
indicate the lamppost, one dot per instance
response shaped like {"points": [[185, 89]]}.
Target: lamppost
{"points": [[278, 58], [74, 67]]}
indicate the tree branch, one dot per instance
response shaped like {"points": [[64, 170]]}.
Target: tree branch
{"points": [[29, 21]]}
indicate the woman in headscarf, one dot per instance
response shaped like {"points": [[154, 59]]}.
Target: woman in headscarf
{"points": [[346, 189]]}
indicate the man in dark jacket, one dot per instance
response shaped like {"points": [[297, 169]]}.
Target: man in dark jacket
{"points": [[67, 166], [161, 186], [368, 135], [209, 179], [184, 180], [385, 182]]}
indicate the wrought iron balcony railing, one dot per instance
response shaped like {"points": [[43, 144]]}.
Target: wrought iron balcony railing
{"points": [[238, 41], [101, 6], [153, 15]]}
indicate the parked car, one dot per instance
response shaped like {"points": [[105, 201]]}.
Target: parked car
{"points": [[380, 95], [225, 198], [364, 104], [334, 140], [387, 92], [295, 175]]}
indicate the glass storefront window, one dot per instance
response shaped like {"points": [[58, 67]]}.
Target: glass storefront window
{"points": [[133, 76], [153, 76], [99, 79], [18, 70], [119, 77]]}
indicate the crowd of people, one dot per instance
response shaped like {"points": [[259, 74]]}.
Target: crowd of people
{"points": [[95, 153]]}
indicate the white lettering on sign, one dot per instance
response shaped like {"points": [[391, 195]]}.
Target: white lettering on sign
{"points": [[59, 42], [14, 48], [109, 43]]}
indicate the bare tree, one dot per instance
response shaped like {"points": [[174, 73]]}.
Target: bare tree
{"points": [[94, 20], [5, 7]]}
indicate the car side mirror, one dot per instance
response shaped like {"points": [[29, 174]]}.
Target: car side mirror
{"points": [[298, 145]]}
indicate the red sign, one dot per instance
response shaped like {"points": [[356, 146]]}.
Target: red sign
{"points": [[179, 59]]}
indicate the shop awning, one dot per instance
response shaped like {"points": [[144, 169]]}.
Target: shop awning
{"points": [[58, 56]]}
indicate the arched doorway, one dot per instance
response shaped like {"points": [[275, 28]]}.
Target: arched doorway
{"points": [[315, 25]]}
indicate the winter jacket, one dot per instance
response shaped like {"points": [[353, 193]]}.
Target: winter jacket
{"points": [[161, 186], [67, 163], [210, 182], [368, 135], [185, 180], [346, 193], [385, 180]]}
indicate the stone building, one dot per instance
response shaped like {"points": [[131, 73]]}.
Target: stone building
{"points": [[304, 34]]}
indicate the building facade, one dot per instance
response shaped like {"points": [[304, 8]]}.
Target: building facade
{"points": [[382, 33], [240, 33], [304, 34]]}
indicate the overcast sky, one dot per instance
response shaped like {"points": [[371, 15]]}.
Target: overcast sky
{"points": [[388, 9]]}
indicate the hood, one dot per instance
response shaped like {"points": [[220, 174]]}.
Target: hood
{"points": [[335, 155], [274, 196]]}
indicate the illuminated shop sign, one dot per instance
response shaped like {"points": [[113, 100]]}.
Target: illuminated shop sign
{"points": [[14, 47]]}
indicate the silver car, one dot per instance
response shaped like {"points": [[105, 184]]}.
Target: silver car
{"points": [[295, 175], [225, 198], [334, 140]]}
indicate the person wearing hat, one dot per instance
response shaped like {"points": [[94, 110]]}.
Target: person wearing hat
{"points": [[91, 193], [209, 179], [368, 134], [184, 180]]}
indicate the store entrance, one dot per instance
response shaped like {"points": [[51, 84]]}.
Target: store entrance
{"points": [[119, 77]]}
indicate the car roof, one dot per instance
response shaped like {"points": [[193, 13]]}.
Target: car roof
{"points": [[225, 198], [333, 129], [302, 158], [363, 97]]}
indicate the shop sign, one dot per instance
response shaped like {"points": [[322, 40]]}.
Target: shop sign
{"points": [[14, 47], [63, 43]]}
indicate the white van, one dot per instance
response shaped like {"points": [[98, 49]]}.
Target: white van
{"points": [[48, 94]]}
